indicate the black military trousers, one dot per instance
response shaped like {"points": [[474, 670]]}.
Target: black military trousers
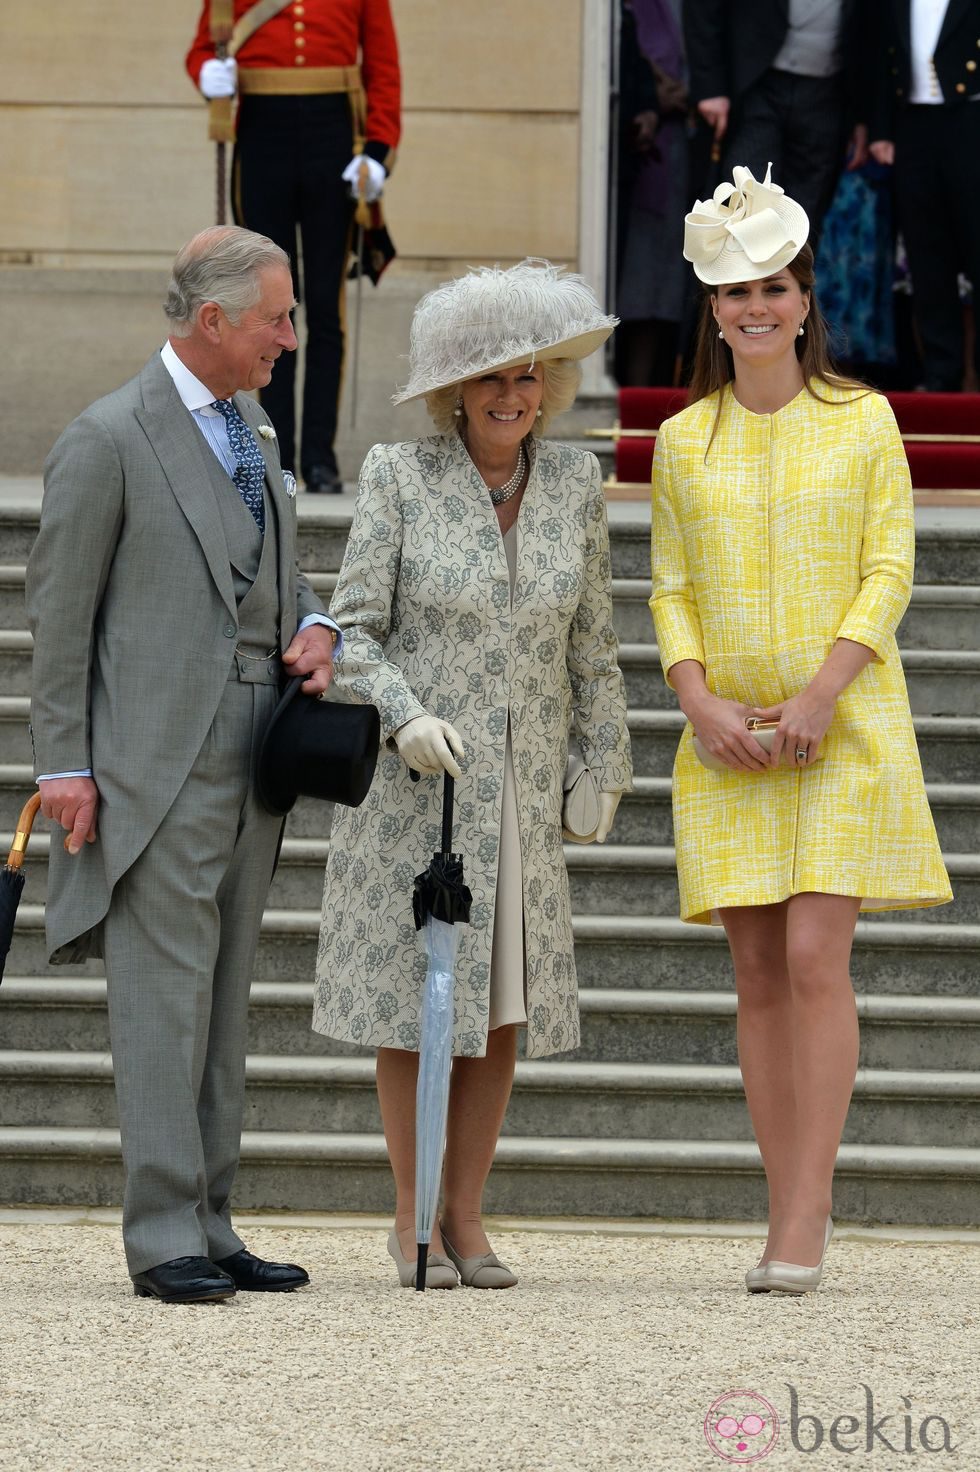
{"points": [[798, 125], [937, 184], [290, 154]]}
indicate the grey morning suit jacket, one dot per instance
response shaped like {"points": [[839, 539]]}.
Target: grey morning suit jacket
{"points": [[132, 608]]}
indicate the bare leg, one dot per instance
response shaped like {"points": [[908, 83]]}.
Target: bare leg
{"points": [[757, 939], [478, 1096], [397, 1074], [819, 936]]}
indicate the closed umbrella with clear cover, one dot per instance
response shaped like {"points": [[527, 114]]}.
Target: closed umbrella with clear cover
{"points": [[441, 902]]}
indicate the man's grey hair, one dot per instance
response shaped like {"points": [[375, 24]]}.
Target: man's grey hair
{"points": [[220, 265]]}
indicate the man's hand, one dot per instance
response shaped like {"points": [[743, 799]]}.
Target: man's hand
{"points": [[374, 183], [73, 802], [883, 151], [715, 112], [218, 78], [857, 147], [311, 653]]}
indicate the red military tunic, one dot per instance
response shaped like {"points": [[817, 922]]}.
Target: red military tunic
{"points": [[326, 33]]}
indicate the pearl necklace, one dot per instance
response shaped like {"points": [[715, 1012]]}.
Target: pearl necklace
{"points": [[500, 494]]}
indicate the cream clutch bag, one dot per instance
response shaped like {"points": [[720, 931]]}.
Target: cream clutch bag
{"points": [[580, 805], [763, 731]]}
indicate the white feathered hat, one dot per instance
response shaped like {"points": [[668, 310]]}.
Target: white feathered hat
{"points": [[492, 318], [746, 231]]}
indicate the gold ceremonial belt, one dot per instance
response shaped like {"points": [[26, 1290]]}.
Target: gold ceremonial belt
{"points": [[284, 81]]}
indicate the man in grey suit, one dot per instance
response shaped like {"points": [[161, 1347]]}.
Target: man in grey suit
{"points": [[165, 601]]}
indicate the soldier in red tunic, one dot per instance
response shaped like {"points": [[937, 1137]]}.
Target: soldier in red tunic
{"points": [[320, 92]]}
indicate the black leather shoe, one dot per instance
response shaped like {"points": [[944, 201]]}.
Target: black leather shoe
{"points": [[323, 480], [251, 1273], [184, 1280]]}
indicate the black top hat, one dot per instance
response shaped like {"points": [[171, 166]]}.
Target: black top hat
{"points": [[317, 748]]}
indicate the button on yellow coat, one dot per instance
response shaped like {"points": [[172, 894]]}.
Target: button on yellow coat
{"points": [[795, 530]]}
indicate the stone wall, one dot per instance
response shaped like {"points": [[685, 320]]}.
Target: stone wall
{"points": [[105, 170]]}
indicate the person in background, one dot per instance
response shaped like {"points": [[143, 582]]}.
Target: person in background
{"points": [[320, 91], [782, 556], [927, 123], [476, 602], [782, 82], [652, 190]]}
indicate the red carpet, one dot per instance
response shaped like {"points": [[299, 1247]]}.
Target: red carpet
{"points": [[949, 464]]}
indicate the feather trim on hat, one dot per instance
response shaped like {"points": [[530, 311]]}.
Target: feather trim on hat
{"points": [[493, 318]]}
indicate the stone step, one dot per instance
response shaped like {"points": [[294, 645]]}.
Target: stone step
{"points": [[903, 957], [949, 748], [604, 879], [941, 682], [714, 1180], [605, 1101], [938, 617], [946, 552], [626, 1025], [645, 815]]}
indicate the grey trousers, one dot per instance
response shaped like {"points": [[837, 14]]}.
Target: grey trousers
{"points": [[180, 940]]}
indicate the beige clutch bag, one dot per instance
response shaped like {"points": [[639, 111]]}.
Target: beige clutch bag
{"points": [[580, 805], [763, 731]]}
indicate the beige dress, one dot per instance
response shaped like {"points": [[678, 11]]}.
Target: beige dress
{"points": [[507, 999]]}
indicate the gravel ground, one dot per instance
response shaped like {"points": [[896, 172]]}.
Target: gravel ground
{"points": [[608, 1355]]}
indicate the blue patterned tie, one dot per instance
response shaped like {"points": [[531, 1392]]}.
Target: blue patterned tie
{"points": [[249, 474]]}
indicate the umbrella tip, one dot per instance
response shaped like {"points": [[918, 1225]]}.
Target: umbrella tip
{"points": [[421, 1265]]}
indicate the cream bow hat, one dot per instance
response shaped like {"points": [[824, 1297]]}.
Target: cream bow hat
{"points": [[745, 231], [492, 318]]}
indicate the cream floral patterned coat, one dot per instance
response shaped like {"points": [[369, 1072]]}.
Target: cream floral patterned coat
{"points": [[424, 600]]}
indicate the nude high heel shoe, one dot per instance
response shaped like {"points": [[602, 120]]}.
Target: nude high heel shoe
{"points": [[483, 1271], [439, 1271], [790, 1277]]}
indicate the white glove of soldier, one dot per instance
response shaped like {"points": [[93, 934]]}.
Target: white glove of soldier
{"points": [[375, 181], [608, 803], [429, 745], [219, 78]]}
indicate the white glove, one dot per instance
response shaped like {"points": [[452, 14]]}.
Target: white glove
{"points": [[219, 78], [375, 181], [428, 745], [608, 803]]}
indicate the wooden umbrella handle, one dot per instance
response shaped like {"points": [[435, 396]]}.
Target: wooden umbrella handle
{"points": [[25, 823]]}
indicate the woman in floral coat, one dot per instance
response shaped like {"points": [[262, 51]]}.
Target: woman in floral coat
{"points": [[475, 600]]}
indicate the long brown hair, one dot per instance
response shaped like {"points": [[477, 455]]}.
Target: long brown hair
{"points": [[714, 365]]}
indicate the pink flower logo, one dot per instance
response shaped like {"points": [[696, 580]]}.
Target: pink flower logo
{"points": [[741, 1427]]}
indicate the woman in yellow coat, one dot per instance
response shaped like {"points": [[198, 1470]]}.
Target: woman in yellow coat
{"points": [[783, 544]]}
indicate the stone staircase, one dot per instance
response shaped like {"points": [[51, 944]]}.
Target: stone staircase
{"points": [[648, 1118]]}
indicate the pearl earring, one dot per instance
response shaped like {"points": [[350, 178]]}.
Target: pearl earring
{"points": [[720, 333], [800, 333], [539, 414], [458, 408]]}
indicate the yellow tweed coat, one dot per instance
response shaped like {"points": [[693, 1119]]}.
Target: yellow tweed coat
{"points": [[797, 529]]}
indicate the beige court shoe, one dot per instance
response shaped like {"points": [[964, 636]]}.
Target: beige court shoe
{"points": [[439, 1271], [791, 1277], [486, 1271], [757, 1279]]}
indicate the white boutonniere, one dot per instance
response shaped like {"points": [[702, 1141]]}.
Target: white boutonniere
{"points": [[289, 481], [267, 432]]}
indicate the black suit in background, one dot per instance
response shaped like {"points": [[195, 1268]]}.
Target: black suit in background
{"points": [[937, 175], [799, 124]]}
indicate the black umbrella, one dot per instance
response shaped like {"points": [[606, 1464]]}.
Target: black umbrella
{"points": [[441, 901], [12, 877]]}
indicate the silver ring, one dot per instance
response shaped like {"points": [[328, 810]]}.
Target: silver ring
{"points": [[801, 753]]}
